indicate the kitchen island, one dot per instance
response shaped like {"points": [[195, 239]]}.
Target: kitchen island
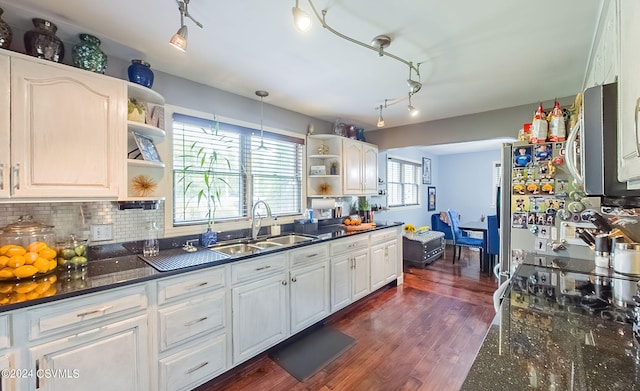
{"points": [[562, 326]]}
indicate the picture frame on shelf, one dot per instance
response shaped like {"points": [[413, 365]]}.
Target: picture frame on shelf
{"points": [[426, 171], [431, 198], [147, 148]]}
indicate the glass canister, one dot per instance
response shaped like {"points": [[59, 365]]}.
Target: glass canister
{"points": [[72, 252], [26, 249]]}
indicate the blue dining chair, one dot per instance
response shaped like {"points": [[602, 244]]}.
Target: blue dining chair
{"points": [[461, 238], [493, 238]]}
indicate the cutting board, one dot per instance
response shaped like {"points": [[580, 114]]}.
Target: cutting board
{"points": [[360, 227]]}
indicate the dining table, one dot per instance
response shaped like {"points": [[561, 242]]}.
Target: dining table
{"points": [[479, 226]]}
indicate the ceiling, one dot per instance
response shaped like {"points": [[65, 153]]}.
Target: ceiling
{"points": [[476, 55]]}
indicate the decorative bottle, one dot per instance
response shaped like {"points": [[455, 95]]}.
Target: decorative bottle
{"points": [[87, 54], [140, 73], [42, 41], [151, 246], [5, 33]]}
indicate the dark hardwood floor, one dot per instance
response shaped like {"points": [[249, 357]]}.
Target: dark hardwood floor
{"points": [[422, 335]]}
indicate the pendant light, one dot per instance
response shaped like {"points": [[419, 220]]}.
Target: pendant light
{"points": [[262, 95]]}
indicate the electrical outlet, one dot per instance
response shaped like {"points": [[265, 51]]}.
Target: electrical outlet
{"points": [[101, 232]]}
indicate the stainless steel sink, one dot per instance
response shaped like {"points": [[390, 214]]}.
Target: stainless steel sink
{"points": [[289, 239], [265, 244], [238, 249]]}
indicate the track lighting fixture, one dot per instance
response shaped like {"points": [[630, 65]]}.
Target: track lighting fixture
{"points": [[262, 95], [179, 39], [379, 44], [300, 18], [412, 110], [380, 119]]}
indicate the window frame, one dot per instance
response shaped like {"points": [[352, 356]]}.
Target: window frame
{"points": [[418, 182], [166, 184]]}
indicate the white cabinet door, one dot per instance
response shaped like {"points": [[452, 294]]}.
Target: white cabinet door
{"points": [[629, 93], [340, 282], [370, 169], [360, 275], [260, 316], [309, 295], [6, 383], [5, 123], [392, 261], [378, 266], [111, 357], [66, 131], [352, 162]]}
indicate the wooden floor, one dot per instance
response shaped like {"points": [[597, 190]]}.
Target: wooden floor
{"points": [[422, 335]]}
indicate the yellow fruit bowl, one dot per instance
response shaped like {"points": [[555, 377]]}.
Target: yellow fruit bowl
{"points": [[34, 260]]}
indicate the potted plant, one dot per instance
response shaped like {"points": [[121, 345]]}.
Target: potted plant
{"points": [[136, 110], [200, 180], [364, 209]]}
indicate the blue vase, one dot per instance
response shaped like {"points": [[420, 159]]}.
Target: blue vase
{"points": [[87, 54], [140, 73], [208, 238]]}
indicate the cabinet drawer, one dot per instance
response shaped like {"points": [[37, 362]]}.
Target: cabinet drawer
{"points": [[195, 317], [258, 268], [383, 236], [187, 284], [344, 245], [71, 314], [192, 367], [307, 255]]}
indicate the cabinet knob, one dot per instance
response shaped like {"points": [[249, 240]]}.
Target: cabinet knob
{"points": [[284, 282], [293, 279]]}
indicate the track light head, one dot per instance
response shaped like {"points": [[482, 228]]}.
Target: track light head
{"points": [[301, 19], [179, 39], [414, 86]]}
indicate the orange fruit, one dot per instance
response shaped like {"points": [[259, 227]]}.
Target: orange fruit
{"points": [[25, 271], [3, 249], [42, 265], [25, 287], [43, 287], [47, 253], [15, 250], [30, 257], [52, 264], [6, 272], [16, 261], [36, 246], [3, 260]]}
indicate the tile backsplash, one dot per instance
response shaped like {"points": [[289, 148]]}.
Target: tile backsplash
{"points": [[77, 218]]}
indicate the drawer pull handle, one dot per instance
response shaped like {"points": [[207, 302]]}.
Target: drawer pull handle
{"points": [[196, 321], [99, 310], [190, 371], [263, 267], [196, 286], [312, 255]]}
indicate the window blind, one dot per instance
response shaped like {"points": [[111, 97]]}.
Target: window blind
{"points": [[402, 182], [230, 157]]}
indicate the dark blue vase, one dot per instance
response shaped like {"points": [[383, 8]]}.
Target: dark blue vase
{"points": [[140, 73], [208, 238]]}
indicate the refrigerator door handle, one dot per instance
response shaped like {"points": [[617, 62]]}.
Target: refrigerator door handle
{"points": [[571, 151]]}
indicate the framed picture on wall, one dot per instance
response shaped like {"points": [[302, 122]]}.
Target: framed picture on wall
{"points": [[431, 197], [426, 171]]}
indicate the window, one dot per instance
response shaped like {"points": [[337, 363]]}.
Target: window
{"points": [[402, 182], [230, 157]]}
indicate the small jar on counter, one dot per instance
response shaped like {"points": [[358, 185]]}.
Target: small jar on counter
{"points": [[603, 251]]}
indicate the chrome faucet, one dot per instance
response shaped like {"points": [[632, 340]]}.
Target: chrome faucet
{"points": [[255, 228]]}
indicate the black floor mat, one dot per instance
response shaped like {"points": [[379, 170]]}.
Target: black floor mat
{"points": [[312, 352]]}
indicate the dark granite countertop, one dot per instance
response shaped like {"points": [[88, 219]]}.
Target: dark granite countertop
{"points": [[562, 326], [117, 265]]}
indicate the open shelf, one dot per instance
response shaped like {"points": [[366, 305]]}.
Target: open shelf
{"points": [[144, 163], [144, 94], [146, 130]]}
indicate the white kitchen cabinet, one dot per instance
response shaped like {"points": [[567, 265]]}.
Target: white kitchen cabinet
{"points": [[603, 65], [384, 261], [309, 294], [356, 166], [104, 358], [360, 161], [136, 167], [6, 355], [260, 307], [193, 328], [350, 278], [66, 131], [629, 93], [5, 126]]}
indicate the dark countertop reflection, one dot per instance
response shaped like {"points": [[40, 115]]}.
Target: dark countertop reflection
{"points": [[562, 326]]}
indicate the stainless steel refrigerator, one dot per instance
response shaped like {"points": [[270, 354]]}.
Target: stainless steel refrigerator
{"points": [[542, 209]]}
